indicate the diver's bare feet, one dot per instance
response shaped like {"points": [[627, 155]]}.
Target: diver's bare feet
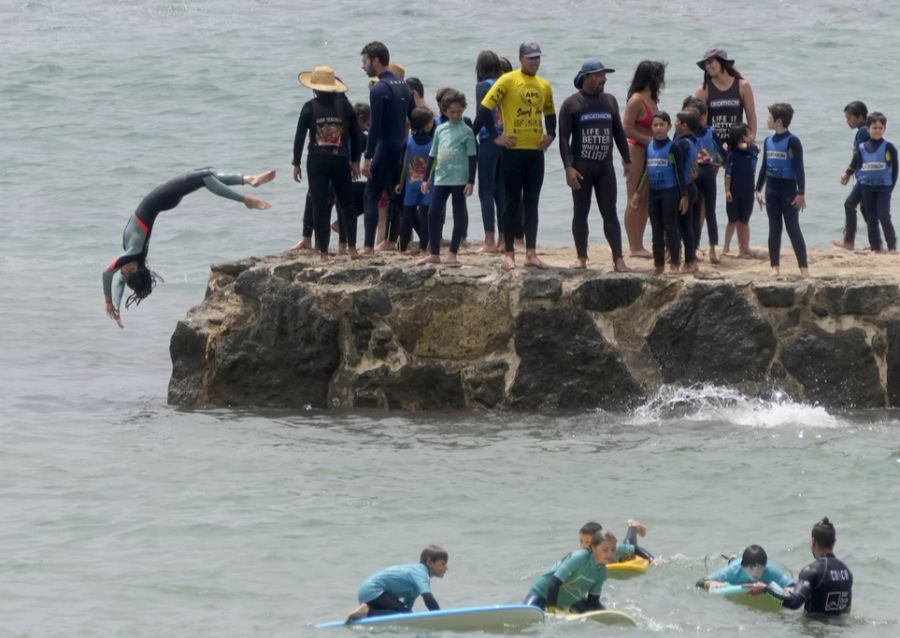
{"points": [[713, 257], [255, 202], [451, 259], [691, 267], [489, 244], [429, 259], [303, 244], [509, 261], [367, 251], [804, 272], [323, 257], [619, 265], [260, 178], [845, 245], [580, 263], [533, 261], [776, 271], [383, 246], [354, 254], [342, 249], [658, 270]]}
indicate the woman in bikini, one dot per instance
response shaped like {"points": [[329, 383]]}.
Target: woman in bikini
{"points": [[643, 99]]}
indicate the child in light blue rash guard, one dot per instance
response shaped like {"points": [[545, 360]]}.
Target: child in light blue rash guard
{"points": [[395, 589], [752, 568]]}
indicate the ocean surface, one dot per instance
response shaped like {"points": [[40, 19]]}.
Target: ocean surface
{"points": [[123, 516]]}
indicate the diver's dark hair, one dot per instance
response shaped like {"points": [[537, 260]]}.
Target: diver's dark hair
{"points": [[590, 528], [694, 102], [142, 281], [452, 96], [487, 66], [754, 555], [824, 533], [690, 118], [876, 116], [419, 118], [505, 65], [433, 553], [782, 111], [662, 115], [415, 84]]}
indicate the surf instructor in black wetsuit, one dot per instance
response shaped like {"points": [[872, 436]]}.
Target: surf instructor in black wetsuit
{"points": [[131, 267], [589, 122], [825, 586]]}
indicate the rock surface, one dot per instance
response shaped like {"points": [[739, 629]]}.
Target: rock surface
{"points": [[288, 331]]}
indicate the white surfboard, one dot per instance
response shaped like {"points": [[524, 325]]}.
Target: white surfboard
{"points": [[461, 619]]}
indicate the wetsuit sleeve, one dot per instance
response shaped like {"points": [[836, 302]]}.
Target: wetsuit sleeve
{"points": [[553, 591], [376, 103], [113, 291], [893, 159], [799, 172], [797, 597], [355, 132], [566, 115], [855, 162], [430, 602], [472, 150], [679, 157], [485, 118], [550, 124], [643, 552], [403, 167], [729, 165], [429, 167], [761, 179], [300, 135], [618, 131], [220, 189]]}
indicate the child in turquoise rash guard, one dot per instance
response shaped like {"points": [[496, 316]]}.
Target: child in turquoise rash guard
{"points": [[575, 582], [395, 589], [453, 158], [753, 568]]}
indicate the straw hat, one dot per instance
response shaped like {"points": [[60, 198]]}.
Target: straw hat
{"points": [[322, 79]]}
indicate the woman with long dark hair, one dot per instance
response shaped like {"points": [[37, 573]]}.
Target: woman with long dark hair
{"points": [[132, 266], [643, 101], [490, 181]]}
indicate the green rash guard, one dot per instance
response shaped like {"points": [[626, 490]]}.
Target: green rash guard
{"points": [[136, 237], [580, 577]]}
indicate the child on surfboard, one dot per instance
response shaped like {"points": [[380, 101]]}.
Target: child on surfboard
{"points": [[625, 550], [575, 582], [753, 568], [395, 589]]}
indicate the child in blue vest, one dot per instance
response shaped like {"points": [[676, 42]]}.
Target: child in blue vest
{"points": [[686, 124], [415, 202], [855, 113], [785, 181], [875, 165], [665, 176], [740, 173], [452, 158], [395, 589], [710, 157]]}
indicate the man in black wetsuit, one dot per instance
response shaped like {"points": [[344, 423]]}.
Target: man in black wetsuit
{"points": [[589, 122], [825, 586], [391, 102]]}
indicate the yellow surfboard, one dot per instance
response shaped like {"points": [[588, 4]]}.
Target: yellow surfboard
{"points": [[628, 568]]}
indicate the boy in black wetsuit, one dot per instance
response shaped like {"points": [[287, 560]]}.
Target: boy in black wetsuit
{"points": [[855, 113], [825, 586]]}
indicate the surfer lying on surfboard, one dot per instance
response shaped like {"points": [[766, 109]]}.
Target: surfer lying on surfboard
{"points": [[395, 589], [574, 583], [625, 550], [753, 568]]}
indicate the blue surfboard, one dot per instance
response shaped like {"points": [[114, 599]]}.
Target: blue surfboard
{"points": [[460, 619]]}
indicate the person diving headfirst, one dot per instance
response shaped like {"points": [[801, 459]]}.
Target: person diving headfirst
{"points": [[132, 265]]}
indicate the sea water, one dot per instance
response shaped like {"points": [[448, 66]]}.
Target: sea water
{"points": [[122, 516]]}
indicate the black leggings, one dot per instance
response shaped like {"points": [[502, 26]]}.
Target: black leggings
{"points": [[853, 200], [783, 215], [490, 184], [523, 176], [668, 224], [414, 218], [706, 187], [599, 179], [439, 195], [324, 171], [387, 603], [385, 166], [877, 204]]}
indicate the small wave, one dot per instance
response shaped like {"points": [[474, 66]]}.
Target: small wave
{"points": [[704, 403]]}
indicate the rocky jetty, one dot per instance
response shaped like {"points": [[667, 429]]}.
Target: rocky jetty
{"points": [[287, 331]]}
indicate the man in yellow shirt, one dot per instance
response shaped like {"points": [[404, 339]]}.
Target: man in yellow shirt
{"points": [[526, 108]]}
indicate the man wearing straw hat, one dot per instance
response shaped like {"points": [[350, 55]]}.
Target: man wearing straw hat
{"points": [[391, 102], [334, 150]]}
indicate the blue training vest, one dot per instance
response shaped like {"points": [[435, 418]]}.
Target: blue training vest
{"points": [[660, 170], [707, 142], [779, 163], [875, 170]]}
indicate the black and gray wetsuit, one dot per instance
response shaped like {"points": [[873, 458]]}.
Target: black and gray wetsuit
{"points": [[823, 587]]}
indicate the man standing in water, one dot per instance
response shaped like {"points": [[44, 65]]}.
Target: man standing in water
{"points": [[391, 102], [522, 98], [825, 586], [589, 121]]}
